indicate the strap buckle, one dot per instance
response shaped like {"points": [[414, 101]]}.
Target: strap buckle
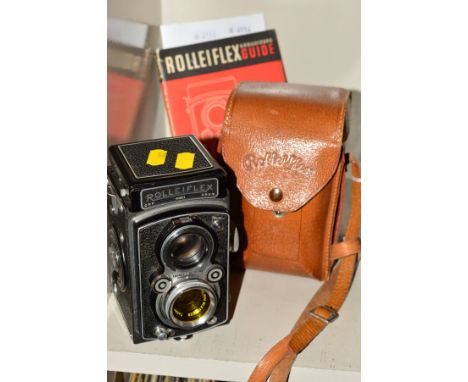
{"points": [[333, 314]]}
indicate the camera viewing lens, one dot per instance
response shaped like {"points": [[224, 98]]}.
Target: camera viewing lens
{"points": [[187, 248], [191, 305], [187, 245]]}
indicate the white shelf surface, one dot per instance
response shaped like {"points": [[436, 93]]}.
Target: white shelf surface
{"points": [[266, 309]]}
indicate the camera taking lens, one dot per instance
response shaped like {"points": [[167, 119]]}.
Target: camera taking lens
{"points": [[189, 304]]}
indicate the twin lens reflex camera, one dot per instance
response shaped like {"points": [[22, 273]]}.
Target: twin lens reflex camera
{"points": [[168, 237]]}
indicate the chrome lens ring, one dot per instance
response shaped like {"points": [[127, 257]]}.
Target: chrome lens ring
{"points": [[201, 293], [187, 246], [215, 273]]}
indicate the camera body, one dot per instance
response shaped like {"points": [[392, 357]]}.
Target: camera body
{"points": [[168, 237]]}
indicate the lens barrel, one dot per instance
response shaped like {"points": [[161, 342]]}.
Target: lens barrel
{"points": [[189, 304], [187, 246]]}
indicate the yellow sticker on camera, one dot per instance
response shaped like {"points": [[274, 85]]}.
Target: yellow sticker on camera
{"points": [[156, 157], [185, 161]]}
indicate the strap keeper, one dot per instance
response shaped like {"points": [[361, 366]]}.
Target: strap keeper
{"points": [[326, 320]]}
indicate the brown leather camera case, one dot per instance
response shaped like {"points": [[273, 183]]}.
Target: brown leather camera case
{"points": [[285, 145]]}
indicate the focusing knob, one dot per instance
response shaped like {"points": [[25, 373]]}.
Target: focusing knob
{"points": [[117, 260]]}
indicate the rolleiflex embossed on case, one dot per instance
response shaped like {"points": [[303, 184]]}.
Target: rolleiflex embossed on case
{"points": [[168, 237], [252, 162]]}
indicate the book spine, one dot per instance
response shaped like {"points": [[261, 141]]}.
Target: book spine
{"points": [[164, 91]]}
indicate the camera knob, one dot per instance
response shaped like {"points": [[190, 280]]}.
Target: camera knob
{"points": [[276, 194], [162, 333]]}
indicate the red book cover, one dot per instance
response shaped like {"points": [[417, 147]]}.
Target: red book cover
{"points": [[127, 75], [123, 100], [197, 79]]}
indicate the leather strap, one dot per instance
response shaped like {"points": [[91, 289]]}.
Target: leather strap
{"points": [[323, 307], [345, 248]]}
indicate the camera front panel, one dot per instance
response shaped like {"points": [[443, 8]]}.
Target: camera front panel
{"points": [[183, 263]]}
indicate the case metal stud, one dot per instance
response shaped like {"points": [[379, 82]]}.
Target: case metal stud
{"points": [[276, 194]]}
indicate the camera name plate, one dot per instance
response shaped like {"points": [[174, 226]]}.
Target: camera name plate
{"points": [[204, 188]]}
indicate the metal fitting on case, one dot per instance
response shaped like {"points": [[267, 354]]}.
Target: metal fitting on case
{"points": [[332, 314], [276, 194]]}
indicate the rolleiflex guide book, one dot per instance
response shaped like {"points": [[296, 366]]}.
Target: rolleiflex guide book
{"points": [[197, 79]]}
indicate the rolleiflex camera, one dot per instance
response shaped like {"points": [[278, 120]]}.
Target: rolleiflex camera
{"points": [[168, 237]]}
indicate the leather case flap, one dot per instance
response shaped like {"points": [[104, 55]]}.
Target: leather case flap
{"points": [[283, 136]]}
